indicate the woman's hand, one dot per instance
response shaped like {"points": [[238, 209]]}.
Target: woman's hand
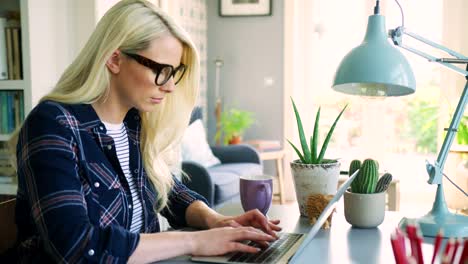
{"points": [[219, 241], [253, 218]]}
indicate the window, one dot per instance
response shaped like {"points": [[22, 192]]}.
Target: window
{"points": [[401, 133]]}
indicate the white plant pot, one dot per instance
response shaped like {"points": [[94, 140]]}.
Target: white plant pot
{"points": [[364, 210], [313, 179]]}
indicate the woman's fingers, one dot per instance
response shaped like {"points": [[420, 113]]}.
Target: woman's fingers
{"points": [[250, 233], [276, 221], [275, 227], [239, 247], [233, 223]]}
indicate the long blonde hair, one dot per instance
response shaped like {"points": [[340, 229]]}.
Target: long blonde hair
{"points": [[130, 26]]}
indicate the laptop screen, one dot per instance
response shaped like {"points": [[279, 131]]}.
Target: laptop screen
{"points": [[324, 216]]}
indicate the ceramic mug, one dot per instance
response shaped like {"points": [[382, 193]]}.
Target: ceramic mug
{"points": [[256, 192]]}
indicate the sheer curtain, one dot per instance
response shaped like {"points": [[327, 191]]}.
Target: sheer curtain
{"points": [[399, 132]]}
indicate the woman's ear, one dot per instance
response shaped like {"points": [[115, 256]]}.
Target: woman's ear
{"points": [[113, 63]]}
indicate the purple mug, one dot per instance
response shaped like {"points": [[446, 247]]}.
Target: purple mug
{"points": [[256, 192]]}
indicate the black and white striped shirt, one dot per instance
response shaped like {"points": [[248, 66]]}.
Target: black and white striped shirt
{"points": [[119, 133]]}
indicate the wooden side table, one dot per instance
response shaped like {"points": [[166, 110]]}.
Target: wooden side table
{"points": [[278, 156]]}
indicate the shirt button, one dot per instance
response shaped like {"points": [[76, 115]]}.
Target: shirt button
{"points": [[101, 127], [135, 171], [96, 184], [130, 206], [137, 117], [91, 252], [109, 147]]}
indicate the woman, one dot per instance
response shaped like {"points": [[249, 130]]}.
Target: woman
{"points": [[94, 157]]}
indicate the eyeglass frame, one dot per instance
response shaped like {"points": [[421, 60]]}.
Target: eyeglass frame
{"points": [[158, 67]]}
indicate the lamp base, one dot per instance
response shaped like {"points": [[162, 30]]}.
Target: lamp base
{"points": [[453, 225]]}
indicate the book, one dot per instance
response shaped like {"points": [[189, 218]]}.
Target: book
{"points": [[4, 112], [17, 107], [9, 51], [16, 54], [3, 50]]}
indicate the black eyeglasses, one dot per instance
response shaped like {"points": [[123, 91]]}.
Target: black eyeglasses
{"points": [[163, 71]]}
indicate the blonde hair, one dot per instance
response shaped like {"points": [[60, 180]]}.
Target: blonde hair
{"points": [[130, 26]]}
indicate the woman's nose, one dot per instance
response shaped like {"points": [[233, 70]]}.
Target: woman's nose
{"points": [[169, 86]]}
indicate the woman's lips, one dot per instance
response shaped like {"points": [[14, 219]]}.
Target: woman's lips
{"points": [[155, 100]]}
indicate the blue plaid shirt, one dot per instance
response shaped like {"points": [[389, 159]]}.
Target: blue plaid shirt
{"points": [[74, 203]]}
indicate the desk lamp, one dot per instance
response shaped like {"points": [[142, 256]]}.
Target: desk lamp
{"points": [[377, 68]]}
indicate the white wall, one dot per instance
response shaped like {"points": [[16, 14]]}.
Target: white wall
{"points": [[252, 50], [57, 31]]}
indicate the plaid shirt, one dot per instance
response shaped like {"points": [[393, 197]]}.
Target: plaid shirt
{"points": [[74, 203]]}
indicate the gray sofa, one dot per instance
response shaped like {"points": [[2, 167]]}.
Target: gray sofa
{"points": [[220, 183]]}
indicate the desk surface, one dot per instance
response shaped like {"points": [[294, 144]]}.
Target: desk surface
{"points": [[341, 243]]}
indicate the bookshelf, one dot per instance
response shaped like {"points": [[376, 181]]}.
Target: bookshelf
{"points": [[15, 91], [15, 84]]}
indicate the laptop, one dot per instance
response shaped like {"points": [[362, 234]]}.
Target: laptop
{"points": [[289, 246]]}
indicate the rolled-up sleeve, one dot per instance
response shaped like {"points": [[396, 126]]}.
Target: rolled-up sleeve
{"points": [[48, 173], [180, 198]]}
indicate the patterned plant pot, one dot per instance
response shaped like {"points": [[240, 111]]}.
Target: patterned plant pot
{"points": [[312, 179]]}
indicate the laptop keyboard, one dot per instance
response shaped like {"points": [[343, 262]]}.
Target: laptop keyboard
{"points": [[270, 254]]}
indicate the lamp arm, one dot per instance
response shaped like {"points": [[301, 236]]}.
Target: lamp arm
{"points": [[436, 171], [397, 37]]}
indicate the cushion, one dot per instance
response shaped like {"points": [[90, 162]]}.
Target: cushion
{"points": [[226, 186], [195, 147], [226, 178]]}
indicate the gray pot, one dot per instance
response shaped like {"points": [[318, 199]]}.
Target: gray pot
{"points": [[313, 179], [364, 210]]}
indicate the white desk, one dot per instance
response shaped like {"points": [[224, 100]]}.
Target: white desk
{"points": [[340, 244]]}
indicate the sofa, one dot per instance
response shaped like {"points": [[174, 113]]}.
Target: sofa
{"points": [[219, 184]]}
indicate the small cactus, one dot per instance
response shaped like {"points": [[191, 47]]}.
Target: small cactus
{"points": [[354, 166], [366, 180], [383, 183]]}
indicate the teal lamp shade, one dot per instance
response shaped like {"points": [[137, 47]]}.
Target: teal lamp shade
{"points": [[376, 67]]}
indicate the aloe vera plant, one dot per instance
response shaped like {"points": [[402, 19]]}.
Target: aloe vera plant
{"points": [[310, 154]]}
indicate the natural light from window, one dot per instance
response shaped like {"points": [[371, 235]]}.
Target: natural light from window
{"points": [[401, 132]]}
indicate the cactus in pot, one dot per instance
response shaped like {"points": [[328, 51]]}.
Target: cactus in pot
{"points": [[365, 201]]}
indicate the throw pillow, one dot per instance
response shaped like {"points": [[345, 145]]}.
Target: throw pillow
{"points": [[195, 147]]}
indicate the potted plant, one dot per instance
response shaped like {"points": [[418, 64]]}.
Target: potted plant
{"points": [[233, 124], [364, 202], [312, 172]]}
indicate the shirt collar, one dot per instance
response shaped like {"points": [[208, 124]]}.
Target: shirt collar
{"points": [[88, 117]]}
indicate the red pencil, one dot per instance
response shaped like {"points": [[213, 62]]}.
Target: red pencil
{"points": [[456, 245], [397, 252], [411, 232], [401, 241], [419, 240], [464, 255], [437, 242], [449, 249]]}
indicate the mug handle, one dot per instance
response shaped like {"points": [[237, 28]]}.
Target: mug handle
{"points": [[267, 191]]}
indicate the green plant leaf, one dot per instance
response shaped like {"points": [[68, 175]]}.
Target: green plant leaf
{"points": [[329, 135], [234, 122], [298, 152], [305, 148], [313, 144]]}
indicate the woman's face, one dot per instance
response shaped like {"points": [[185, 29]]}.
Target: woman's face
{"points": [[135, 84]]}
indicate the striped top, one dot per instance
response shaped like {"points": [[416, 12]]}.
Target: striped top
{"points": [[119, 133]]}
